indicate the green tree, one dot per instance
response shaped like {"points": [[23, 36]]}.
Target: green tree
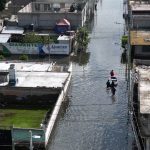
{"points": [[124, 41], [33, 38], [2, 4], [2, 57], [82, 38]]}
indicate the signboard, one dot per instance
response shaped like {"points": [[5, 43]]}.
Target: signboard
{"points": [[35, 48]]}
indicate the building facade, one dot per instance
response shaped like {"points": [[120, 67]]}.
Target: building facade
{"points": [[44, 15]]}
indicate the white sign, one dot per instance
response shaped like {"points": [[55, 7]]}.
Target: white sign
{"points": [[34, 48]]}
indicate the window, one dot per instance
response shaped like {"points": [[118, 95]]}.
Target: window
{"points": [[37, 7], [47, 7], [146, 49]]}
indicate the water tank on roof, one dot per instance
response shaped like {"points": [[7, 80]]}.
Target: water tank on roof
{"points": [[56, 7], [72, 7]]}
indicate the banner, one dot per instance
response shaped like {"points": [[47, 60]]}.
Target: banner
{"points": [[34, 48]]}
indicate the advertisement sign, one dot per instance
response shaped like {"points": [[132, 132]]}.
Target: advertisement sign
{"points": [[34, 48]]}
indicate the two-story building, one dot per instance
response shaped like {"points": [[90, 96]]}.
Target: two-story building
{"points": [[45, 14]]}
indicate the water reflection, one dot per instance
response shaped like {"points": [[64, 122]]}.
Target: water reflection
{"points": [[101, 3], [124, 57], [113, 97], [82, 58]]}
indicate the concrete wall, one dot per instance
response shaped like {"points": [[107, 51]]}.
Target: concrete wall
{"points": [[57, 107], [56, 1], [48, 20], [21, 2], [27, 96]]}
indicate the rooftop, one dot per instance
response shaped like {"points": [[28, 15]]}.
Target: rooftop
{"points": [[35, 75], [140, 7], [140, 37], [64, 37], [27, 67], [4, 38], [12, 30]]}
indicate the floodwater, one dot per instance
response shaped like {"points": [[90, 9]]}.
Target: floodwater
{"points": [[92, 118]]}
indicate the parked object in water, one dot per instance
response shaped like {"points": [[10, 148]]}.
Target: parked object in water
{"points": [[114, 80]]}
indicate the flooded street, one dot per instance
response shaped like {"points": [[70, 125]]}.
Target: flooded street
{"points": [[93, 119]]}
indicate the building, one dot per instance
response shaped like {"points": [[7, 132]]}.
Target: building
{"points": [[10, 44], [141, 101], [44, 15], [140, 43], [36, 91], [139, 15]]}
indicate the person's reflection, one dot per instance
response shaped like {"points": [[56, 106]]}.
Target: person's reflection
{"points": [[113, 97]]}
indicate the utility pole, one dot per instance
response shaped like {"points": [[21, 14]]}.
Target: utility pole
{"points": [[31, 143], [13, 144]]}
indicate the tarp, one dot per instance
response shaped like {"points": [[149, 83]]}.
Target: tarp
{"points": [[62, 26], [63, 22]]}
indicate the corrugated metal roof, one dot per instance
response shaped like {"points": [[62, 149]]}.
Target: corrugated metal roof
{"points": [[12, 30], [4, 38], [36, 75], [64, 37]]}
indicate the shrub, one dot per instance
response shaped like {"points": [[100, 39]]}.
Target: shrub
{"points": [[2, 57], [33, 38], [124, 41], [82, 38], [23, 57]]}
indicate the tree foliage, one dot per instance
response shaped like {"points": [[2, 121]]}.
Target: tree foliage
{"points": [[33, 38], [124, 41], [82, 38], [2, 4], [2, 57]]}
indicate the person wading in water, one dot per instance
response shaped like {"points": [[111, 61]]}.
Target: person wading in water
{"points": [[112, 73], [108, 85]]}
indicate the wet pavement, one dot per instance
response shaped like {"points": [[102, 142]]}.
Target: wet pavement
{"points": [[93, 119]]}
